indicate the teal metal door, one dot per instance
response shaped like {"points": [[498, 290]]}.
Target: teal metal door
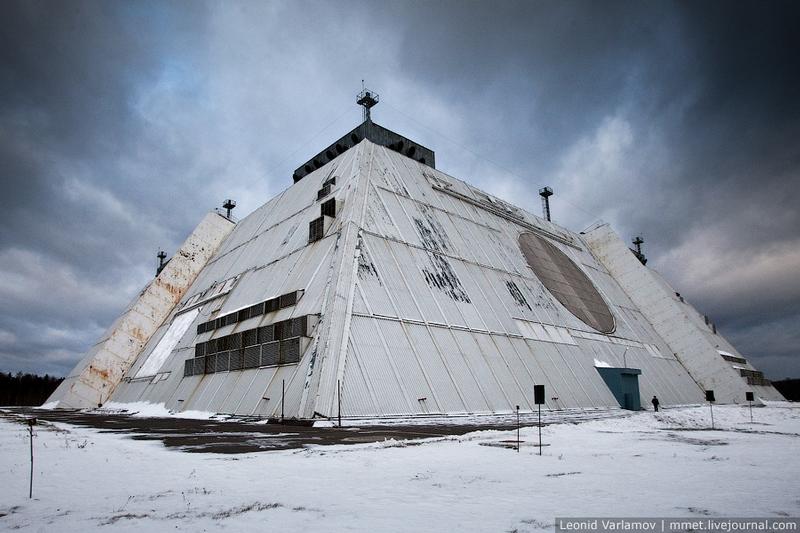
{"points": [[624, 385]]}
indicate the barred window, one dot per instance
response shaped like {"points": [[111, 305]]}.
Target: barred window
{"points": [[270, 353], [316, 229], [329, 208]]}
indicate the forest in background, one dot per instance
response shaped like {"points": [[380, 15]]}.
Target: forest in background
{"points": [[26, 389]]}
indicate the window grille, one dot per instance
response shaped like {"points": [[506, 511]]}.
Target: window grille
{"points": [[256, 310], [266, 334], [267, 306], [329, 208], [290, 350], [211, 364], [288, 300], [299, 326], [270, 353], [269, 345], [323, 192], [236, 360], [250, 337], [223, 362], [243, 314], [281, 329], [234, 341], [316, 229], [252, 357]]}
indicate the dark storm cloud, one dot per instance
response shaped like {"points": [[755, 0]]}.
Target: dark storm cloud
{"points": [[121, 123]]}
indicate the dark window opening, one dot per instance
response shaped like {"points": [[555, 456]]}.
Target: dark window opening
{"points": [[329, 208], [316, 229], [273, 344], [267, 306], [323, 192], [270, 353]]}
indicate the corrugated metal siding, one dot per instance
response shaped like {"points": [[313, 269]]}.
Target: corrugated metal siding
{"points": [[358, 399], [378, 367], [471, 391], [447, 317], [446, 391]]}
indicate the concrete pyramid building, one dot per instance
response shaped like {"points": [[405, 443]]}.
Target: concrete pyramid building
{"points": [[382, 285]]}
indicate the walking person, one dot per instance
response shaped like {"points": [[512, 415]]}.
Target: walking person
{"points": [[655, 404]]}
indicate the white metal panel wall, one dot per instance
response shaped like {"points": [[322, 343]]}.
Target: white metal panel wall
{"points": [[693, 348]]}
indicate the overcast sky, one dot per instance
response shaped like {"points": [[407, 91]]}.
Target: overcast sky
{"points": [[122, 123]]}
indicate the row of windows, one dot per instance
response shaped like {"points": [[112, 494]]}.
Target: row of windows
{"points": [[763, 382], [268, 306], [285, 329], [282, 352], [757, 374], [734, 359]]}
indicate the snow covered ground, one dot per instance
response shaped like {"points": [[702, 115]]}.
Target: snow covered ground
{"points": [[665, 464]]}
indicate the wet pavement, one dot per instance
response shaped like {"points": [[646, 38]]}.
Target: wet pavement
{"points": [[242, 436], [232, 436]]}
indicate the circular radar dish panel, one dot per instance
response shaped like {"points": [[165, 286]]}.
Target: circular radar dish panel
{"points": [[566, 282]]}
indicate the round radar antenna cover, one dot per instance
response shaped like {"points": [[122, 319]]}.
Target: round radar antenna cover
{"points": [[566, 282]]}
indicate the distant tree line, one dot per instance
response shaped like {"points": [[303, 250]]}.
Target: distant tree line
{"points": [[26, 389], [790, 388]]}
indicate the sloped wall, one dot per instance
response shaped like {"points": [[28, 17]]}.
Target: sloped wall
{"points": [[94, 379], [674, 320]]}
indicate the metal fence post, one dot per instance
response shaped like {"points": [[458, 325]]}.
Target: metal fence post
{"points": [[31, 422], [540, 429]]}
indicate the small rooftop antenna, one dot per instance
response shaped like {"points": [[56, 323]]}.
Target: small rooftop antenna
{"points": [[161, 256], [637, 242], [367, 99], [546, 193], [229, 205]]}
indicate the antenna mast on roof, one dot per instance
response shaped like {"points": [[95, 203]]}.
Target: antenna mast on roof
{"points": [[638, 241], [367, 99], [161, 255], [228, 206], [546, 193]]}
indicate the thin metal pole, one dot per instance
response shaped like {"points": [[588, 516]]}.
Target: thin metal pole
{"points": [[751, 412], [711, 406], [30, 488], [283, 393], [339, 396], [518, 429], [540, 429]]}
